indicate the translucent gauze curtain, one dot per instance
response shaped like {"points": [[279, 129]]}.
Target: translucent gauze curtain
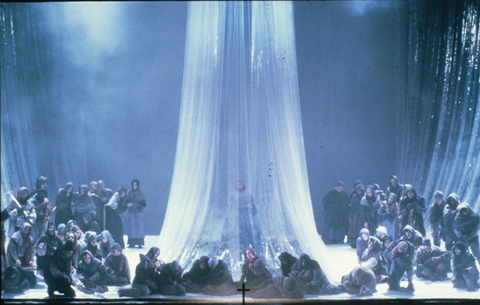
{"points": [[240, 118]]}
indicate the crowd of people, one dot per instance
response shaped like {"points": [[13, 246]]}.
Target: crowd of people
{"points": [[83, 246], [388, 232]]}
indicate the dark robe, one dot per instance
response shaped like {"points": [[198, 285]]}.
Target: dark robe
{"points": [[84, 204], [57, 267], [466, 228], [362, 245], [119, 264], [169, 280], [195, 279], [145, 274], [64, 212], [397, 189], [376, 252], [433, 265], [15, 280], [287, 261], [388, 214], [336, 217], [21, 246], [465, 271], [355, 224], [312, 276], [52, 243], [219, 281], [368, 212], [449, 213], [41, 210], [113, 218], [135, 224], [401, 263], [256, 273], [93, 274], [105, 247], [17, 217], [412, 209], [436, 221]]}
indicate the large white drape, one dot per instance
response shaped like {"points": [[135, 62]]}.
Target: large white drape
{"points": [[240, 118]]}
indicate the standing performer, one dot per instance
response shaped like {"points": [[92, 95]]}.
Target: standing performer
{"points": [[135, 225], [336, 208], [113, 215]]}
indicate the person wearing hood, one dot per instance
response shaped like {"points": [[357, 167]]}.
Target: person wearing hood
{"points": [[62, 232], [16, 280], [432, 263], [18, 216], [169, 280], [58, 272], [255, 272], [113, 215], [466, 226], [65, 203], [99, 204], [46, 247], [40, 182], [310, 274], [153, 254], [411, 235], [42, 209], [105, 240], [436, 218], [78, 233], [374, 250], [355, 223], [143, 283], [91, 244], [388, 214], [286, 262], [219, 281], [403, 254], [70, 224], [335, 205], [369, 209], [449, 213], [21, 247], [411, 210], [104, 194], [381, 233], [135, 224], [77, 248], [92, 272], [354, 190], [89, 224], [362, 243], [84, 205], [395, 187], [195, 279], [465, 271], [117, 266], [360, 281]]}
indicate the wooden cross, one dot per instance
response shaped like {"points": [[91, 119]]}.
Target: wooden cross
{"points": [[243, 292]]}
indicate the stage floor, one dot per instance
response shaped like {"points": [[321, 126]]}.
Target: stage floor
{"points": [[343, 260]]}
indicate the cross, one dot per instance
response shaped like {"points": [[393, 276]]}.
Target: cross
{"points": [[243, 292]]}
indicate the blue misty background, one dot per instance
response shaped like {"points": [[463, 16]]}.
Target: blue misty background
{"points": [[101, 86]]}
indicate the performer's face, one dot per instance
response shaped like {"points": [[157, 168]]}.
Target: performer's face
{"points": [[26, 230], [408, 234], [134, 186], [427, 249], [250, 256], [458, 251], [410, 194], [68, 254], [71, 237], [392, 182], [87, 258], [203, 266]]}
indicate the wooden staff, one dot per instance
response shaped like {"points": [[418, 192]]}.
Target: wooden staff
{"points": [[46, 219], [20, 206]]}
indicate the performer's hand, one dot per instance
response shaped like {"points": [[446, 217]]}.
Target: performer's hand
{"points": [[104, 199], [18, 262], [129, 205], [395, 250], [72, 203], [365, 225], [32, 264]]}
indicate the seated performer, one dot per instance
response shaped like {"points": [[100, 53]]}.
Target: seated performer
{"points": [[58, 272], [46, 246], [16, 279], [21, 248], [169, 280], [105, 240], [402, 262], [432, 263], [117, 267], [255, 272], [62, 232], [361, 281], [90, 244], [77, 249], [362, 243], [89, 224], [153, 254], [374, 250], [194, 280], [466, 226], [92, 272], [310, 273], [219, 281], [286, 262], [465, 272]]}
